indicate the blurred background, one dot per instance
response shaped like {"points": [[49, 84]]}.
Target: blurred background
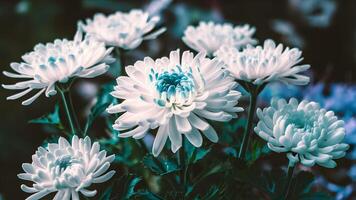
{"points": [[325, 30]]}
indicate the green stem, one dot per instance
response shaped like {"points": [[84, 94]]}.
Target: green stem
{"points": [[251, 115], [121, 59], [76, 122], [289, 181], [68, 110], [183, 167]]}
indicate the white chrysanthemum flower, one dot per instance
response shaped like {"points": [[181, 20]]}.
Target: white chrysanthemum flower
{"points": [[259, 65], [306, 132], [57, 62], [174, 95], [209, 37], [125, 30], [66, 169]]}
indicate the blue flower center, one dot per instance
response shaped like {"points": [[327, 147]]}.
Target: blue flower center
{"points": [[174, 86], [52, 59], [300, 120], [64, 162], [170, 82]]}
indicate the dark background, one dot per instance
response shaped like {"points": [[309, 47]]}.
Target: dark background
{"points": [[328, 45]]}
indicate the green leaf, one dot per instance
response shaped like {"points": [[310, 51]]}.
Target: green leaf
{"points": [[160, 166], [213, 193], [201, 153], [209, 171], [107, 193], [258, 148], [131, 187], [51, 118], [153, 164], [195, 154], [232, 132], [104, 99], [121, 188]]}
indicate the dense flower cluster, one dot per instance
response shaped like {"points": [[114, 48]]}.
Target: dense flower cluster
{"points": [[125, 30], [306, 132], [57, 62], [263, 64], [209, 37], [66, 169], [174, 95]]}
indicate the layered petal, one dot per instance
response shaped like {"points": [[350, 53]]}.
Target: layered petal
{"points": [[305, 131]]}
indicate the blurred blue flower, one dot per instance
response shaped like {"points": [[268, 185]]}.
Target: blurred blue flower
{"points": [[350, 126], [341, 97], [315, 93], [350, 137], [342, 192], [288, 32], [280, 90], [317, 13]]}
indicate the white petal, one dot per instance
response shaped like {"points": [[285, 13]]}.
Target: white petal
{"points": [[194, 137], [210, 133], [88, 193], [160, 140], [183, 125], [30, 100], [39, 194], [104, 177]]}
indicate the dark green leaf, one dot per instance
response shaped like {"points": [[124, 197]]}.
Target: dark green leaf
{"points": [[258, 148], [209, 171], [195, 154], [201, 153], [160, 166], [153, 164], [122, 188], [131, 187], [104, 99], [212, 194], [107, 193], [51, 118], [232, 132]]}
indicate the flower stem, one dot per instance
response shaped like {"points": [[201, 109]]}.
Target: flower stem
{"points": [[121, 59], [76, 122], [289, 181], [68, 109], [247, 133], [183, 169]]}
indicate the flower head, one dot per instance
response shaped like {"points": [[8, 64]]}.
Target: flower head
{"points": [[306, 132], [209, 37], [260, 65], [174, 95], [66, 169], [57, 62], [125, 30]]}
